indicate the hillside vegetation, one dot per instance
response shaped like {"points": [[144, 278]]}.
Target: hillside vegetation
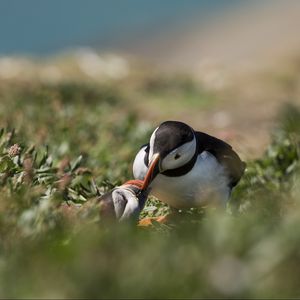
{"points": [[63, 144]]}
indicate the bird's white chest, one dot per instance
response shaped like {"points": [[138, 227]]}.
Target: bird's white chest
{"points": [[206, 182]]}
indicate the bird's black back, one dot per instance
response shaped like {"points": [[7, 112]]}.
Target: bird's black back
{"points": [[225, 155]]}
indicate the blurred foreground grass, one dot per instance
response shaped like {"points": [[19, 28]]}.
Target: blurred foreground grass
{"points": [[63, 144]]}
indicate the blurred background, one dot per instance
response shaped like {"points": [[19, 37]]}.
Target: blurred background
{"points": [[51, 27], [245, 52]]}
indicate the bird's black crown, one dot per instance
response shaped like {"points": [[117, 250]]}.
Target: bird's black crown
{"points": [[171, 135]]}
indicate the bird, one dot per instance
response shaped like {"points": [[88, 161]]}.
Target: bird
{"points": [[187, 168], [123, 202]]}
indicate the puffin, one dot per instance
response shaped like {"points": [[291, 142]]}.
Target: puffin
{"points": [[123, 203], [187, 168]]}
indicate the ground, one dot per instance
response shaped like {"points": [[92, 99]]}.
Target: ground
{"points": [[67, 139]]}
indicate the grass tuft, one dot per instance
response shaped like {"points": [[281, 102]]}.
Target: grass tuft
{"points": [[63, 145]]}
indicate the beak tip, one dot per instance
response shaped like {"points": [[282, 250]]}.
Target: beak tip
{"points": [[152, 171]]}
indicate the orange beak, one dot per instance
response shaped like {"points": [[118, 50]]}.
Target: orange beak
{"points": [[152, 171], [135, 182]]}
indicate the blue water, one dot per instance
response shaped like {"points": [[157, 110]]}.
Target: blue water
{"points": [[39, 27]]}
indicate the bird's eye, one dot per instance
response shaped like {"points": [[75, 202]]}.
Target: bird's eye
{"points": [[177, 156]]}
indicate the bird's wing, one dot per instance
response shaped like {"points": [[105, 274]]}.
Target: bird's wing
{"points": [[224, 153], [140, 164]]}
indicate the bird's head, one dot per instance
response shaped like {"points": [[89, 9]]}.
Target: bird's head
{"points": [[140, 192], [172, 145], [124, 202]]}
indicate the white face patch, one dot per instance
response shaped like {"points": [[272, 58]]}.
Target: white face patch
{"points": [[151, 144], [179, 156]]}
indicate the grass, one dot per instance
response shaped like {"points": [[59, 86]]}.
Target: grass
{"points": [[63, 144]]}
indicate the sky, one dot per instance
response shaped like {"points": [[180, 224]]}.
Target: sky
{"points": [[42, 27]]}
